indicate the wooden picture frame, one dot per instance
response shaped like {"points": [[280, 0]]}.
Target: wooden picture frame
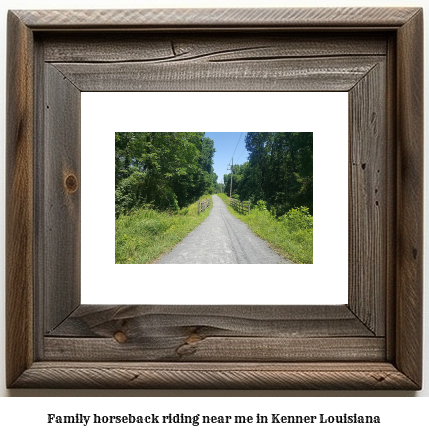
{"points": [[373, 342]]}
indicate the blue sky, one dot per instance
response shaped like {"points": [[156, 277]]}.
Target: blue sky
{"points": [[225, 143]]}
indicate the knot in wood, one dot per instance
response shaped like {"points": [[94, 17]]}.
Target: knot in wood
{"points": [[71, 183], [120, 337], [193, 337]]}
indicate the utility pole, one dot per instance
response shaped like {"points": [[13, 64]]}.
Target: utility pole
{"points": [[232, 166]]}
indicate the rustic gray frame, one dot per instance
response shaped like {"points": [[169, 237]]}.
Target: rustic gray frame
{"points": [[373, 342]]}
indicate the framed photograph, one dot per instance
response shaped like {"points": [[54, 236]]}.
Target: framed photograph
{"points": [[374, 341]]}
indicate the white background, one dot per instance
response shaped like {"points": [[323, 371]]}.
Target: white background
{"points": [[18, 414], [323, 113]]}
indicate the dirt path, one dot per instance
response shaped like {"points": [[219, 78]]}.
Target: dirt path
{"points": [[222, 239]]}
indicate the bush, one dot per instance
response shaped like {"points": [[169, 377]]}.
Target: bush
{"points": [[125, 198], [297, 219], [260, 205]]}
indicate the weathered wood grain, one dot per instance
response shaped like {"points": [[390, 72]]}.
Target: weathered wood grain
{"points": [[213, 333], [247, 375], [239, 321], [368, 202], [177, 347], [409, 272], [39, 200], [185, 19], [61, 186], [391, 190], [168, 47], [19, 200], [306, 74], [243, 321]]}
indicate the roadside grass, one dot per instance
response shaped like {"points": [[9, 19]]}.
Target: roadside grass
{"points": [[145, 234], [286, 236]]}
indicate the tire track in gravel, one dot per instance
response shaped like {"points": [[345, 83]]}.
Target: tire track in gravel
{"points": [[240, 252], [222, 239]]}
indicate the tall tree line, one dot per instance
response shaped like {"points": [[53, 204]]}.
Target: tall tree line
{"points": [[167, 170], [279, 170]]}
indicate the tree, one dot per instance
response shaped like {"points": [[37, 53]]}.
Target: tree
{"points": [[279, 170], [167, 170]]}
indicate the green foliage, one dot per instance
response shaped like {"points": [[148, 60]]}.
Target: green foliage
{"points": [[125, 196], [219, 188], [279, 171], [166, 170], [260, 205], [297, 219], [290, 235], [144, 234]]}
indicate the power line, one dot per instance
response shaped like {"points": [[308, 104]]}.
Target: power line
{"points": [[241, 154], [232, 163], [241, 133]]}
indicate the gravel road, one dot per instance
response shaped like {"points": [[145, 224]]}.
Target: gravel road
{"points": [[222, 238]]}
